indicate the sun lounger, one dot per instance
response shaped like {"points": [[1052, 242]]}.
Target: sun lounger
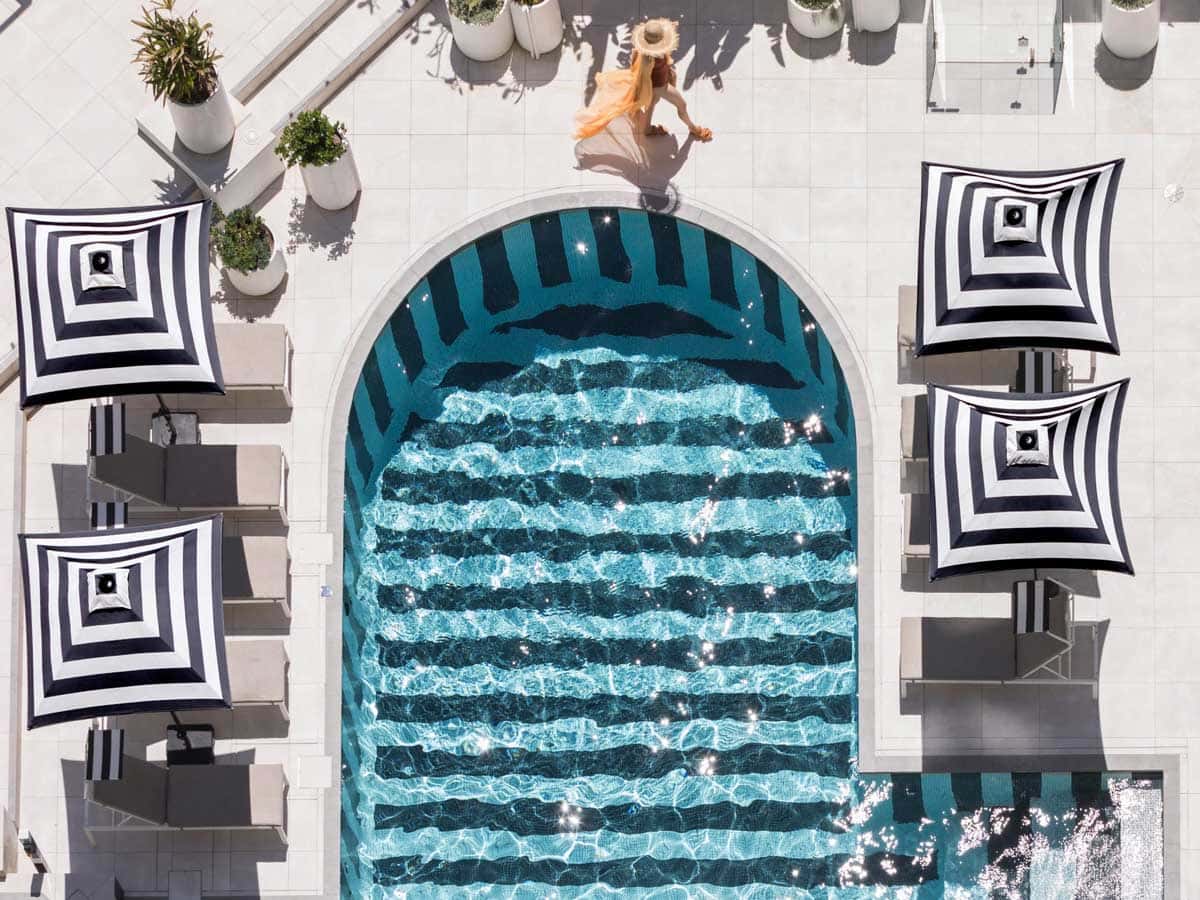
{"points": [[915, 508], [254, 569], [914, 442], [207, 477], [255, 357], [986, 650], [258, 673], [151, 797]]}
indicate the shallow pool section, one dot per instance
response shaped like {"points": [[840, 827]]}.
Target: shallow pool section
{"points": [[600, 624]]}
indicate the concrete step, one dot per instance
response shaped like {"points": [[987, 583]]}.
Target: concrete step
{"points": [[328, 45]]}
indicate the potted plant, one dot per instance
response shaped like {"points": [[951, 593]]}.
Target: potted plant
{"points": [[816, 18], [1129, 28], [320, 148], [875, 15], [482, 29], [246, 247], [179, 65], [538, 25]]}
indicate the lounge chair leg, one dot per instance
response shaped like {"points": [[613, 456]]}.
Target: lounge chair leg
{"points": [[283, 711], [91, 839]]}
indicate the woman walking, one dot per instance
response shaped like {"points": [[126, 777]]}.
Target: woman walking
{"points": [[634, 92]]}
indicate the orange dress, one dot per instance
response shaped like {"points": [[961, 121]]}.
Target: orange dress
{"points": [[622, 92]]}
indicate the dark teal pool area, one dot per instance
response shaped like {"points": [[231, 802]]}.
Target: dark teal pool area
{"points": [[600, 587]]}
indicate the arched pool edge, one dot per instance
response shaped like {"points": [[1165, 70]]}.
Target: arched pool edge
{"points": [[413, 270]]}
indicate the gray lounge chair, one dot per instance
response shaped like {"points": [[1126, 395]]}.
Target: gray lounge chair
{"points": [[915, 508], [232, 477], [914, 442], [254, 569], [258, 672], [150, 797], [255, 357], [985, 650]]}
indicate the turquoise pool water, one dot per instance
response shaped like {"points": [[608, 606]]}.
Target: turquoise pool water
{"points": [[600, 592]]}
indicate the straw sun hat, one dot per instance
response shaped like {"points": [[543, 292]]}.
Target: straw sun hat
{"points": [[656, 38]]}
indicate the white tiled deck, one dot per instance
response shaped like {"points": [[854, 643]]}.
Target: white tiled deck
{"points": [[818, 148]]}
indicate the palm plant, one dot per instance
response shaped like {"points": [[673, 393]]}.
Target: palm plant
{"points": [[176, 55]]}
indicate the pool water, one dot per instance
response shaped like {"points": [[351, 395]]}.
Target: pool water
{"points": [[601, 596]]}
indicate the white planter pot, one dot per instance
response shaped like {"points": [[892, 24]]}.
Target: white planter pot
{"points": [[1130, 33], [816, 24], [484, 43], [875, 15], [334, 185], [539, 28], [260, 281], [204, 127]]}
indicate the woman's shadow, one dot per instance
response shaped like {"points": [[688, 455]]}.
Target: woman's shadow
{"points": [[649, 163]]}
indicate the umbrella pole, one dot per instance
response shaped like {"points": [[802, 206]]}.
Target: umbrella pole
{"points": [[166, 414]]}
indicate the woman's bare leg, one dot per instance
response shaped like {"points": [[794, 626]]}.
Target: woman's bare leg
{"points": [[671, 94], [644, 124]]}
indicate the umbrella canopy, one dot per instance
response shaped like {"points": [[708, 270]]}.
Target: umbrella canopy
{"points": [[1020, 480], [113, 301], [1015, 259], [124, 621]]}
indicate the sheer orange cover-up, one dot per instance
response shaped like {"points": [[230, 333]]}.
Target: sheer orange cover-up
{"points": [[619, 92]]}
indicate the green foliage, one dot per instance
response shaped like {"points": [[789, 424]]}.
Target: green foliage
{"points": [[311, 139], [816, 5], [477, 12], [1132, 4], [527, 2], [176, 55], [242, 239]]}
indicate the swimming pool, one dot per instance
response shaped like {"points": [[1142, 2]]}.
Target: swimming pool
{"points": [[599, 586]]}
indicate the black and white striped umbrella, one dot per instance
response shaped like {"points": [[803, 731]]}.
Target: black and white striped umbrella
{"points": [[1012, 259], [124, 621], [1019, 480], [113, 301]]}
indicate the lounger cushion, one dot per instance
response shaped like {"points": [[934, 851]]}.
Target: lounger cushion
{"points": [[227, 796], [257, 671], [213, 476], [914, 426], [141, 791], [957, 649], [253, 354], [141, 469], [916, 524], [254, 567]]}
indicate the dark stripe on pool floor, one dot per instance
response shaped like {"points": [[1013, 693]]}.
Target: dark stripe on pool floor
{"points": [[629, 761], [610, 709], [611, 257], [499, 286], [562, 546], [407, 340], [504, 434], [550, 250], [684, 593], [556, 487], [530, 817], [820, 649], [446, 305], [643, 320], [570, 376], [668, 250], [885, 869]]}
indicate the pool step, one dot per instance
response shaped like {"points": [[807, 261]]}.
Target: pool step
{"points": [[303, 70]]}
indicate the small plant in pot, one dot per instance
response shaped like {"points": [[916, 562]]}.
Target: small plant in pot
{"points": [[1129, 28], [246, 248], [816, 19], [482, 29], [538, 25], [319, 147], [179, 64]]}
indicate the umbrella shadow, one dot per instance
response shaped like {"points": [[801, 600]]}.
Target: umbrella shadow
{"points": [[70, 492]]}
